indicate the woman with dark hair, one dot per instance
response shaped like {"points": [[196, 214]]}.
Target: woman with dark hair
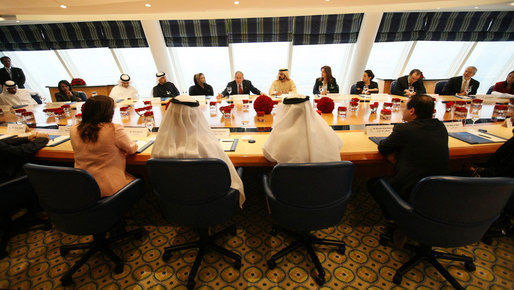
{"points": [[506, 87], [326, 83], [65, 93], [101, 147], [201, 88], [367, 80]]}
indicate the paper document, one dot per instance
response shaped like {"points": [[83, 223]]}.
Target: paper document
{"points": [[228, 145]]}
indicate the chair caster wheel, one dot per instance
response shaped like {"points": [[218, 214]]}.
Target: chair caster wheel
{"points": [[384, 240], [118, 269], [470, 266], [66, 281], [271, 264], [237, 265], [190, 284], [319, 280], [233, 231], [341, 250], [166, 256], [397, 279], [63, 252], [487, 240]]}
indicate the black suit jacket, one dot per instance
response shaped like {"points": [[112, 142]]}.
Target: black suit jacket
{"points": [[402, 84], [247, 88], [455, 84], [333, 87], [17, 76], [421, 148]]}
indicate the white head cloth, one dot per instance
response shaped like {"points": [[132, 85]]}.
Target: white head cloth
{"points": [[300, 135], [184, 133], [121, 92], [22, 96]]}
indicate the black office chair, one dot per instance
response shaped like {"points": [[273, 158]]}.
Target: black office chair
{"points": [[71, 198], [353, 90], [391, 88], [439, 86], [8, 226], [82, 96], [195, 193], [308, 196], [445, 211], [490, 90]]}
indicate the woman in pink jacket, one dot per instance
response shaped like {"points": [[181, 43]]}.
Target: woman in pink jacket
{"points": [[101, 147]]}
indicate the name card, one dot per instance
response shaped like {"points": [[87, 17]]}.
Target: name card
{"points": [[379, 131], [64, 130], [380, 97], [137, 132], [16, 128], [508, 123], [54, 105], [221, 133], [454, 127]]}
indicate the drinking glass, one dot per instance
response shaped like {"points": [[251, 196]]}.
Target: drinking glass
{"points": [[468, 90], [475, 115], [320, 89], [149, 123], [229, 90], [365, 90], [411, 89]]}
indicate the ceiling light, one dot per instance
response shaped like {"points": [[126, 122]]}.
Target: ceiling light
{"points": [[511, 3], [236, 2], [17, 21], [148, 5], [2, 19], [63, 6], [327, 0], [476, 7]]}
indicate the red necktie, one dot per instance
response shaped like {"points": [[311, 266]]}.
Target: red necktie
{"points": [[240, 89]]}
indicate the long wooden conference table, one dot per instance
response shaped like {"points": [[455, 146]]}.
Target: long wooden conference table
{"points": [[357, 147]]}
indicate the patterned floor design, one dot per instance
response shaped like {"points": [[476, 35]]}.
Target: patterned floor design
{"points": [[34, 260]]}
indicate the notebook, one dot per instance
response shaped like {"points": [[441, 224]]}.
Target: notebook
{"points": [[376, 139], [56, 140], [142, 145], [477, 138], [229, 145]]}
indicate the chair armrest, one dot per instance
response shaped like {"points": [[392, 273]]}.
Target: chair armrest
{"points": [[391, 195], [267, 189], [120, 195], [6, 184], [240, 171]]}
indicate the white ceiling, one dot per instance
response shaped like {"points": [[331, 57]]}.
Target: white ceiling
{"points": [[27, 11]]}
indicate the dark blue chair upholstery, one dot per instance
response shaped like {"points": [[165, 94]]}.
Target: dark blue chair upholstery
{"points": [[446, 211], [36, 97], [82, 95], [439, 86], [71, 198], [308, 196], [196, 193], [490, 90], [353, 90], [391, 89]]}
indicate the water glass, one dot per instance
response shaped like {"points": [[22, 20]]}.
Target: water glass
{"points": [[385, 114], [341, 112]]}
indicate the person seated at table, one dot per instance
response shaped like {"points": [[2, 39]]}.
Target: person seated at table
{"points": [[506, 87], [66, 93], [164, 89], [418, 148], [101, 147], [458, 85], [239, 86], [283, 84], [414, 80], [301, 135], [124, 89], [201, 88], [326, 84], [13, 96], [192, 139], [367, 80]]}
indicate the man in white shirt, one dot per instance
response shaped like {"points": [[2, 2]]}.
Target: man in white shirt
{"points": [[124, 90], [283, 84], [13, 96]]}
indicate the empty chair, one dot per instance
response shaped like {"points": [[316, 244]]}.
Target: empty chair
{"points": [[490, 90], [308, 196], [195, 193], [71, 198], [444, 211], [439, 86], [352, 89], [391, 89]]}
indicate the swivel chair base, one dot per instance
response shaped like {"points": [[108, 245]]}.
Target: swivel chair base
{"points": [[204, 244], [307, 241], [100, 243], [426, 253]]}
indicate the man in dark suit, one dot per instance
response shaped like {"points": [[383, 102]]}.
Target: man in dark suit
{"points": [[239, 86], [417, 148], [11, 73], [458, 85], [415, 80]]}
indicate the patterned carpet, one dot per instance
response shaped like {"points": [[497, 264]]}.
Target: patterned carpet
{"points": [[34, 260]]}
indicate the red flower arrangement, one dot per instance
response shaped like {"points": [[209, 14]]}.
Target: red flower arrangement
{"points": [[319, 112], [148, 113], [449, 104], [147, 103], [511, 101], [263, 103], [227, 109], [326, 105], [148, 108], [385, 112], [140, 111], [355, 100], [78, 82], [480, 101]]}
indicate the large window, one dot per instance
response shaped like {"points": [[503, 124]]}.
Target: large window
{"points": [[260, 62], [213, 62], [386, 58], [436, 58], [139, 64], [494, 61], [95, 65], [308, 60], [41, 68]]}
